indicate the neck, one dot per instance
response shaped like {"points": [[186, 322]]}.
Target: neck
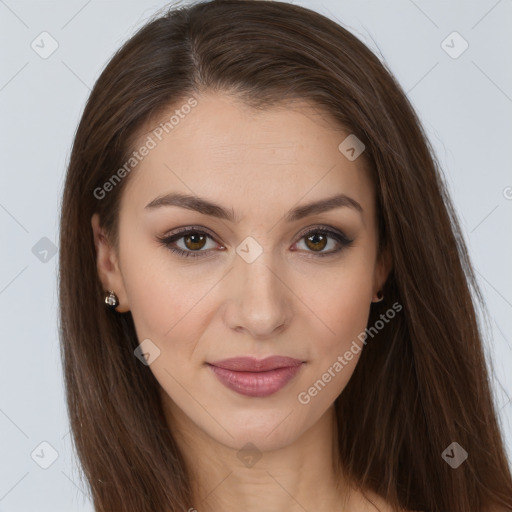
{"points": [[303, 475]]}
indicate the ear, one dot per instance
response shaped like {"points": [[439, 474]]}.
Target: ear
{"points": [[382, 269], [107, 264]]}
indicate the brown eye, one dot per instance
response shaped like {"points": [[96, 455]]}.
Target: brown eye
{"points": [[189, 243], [317, 241], [194, 241]]}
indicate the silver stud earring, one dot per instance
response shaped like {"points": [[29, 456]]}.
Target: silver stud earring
{"points": [[111, 299]]}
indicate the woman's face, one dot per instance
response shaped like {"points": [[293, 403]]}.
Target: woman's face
{"points": [[258, 276]]}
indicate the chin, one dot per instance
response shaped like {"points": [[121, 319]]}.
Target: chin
{"points": [[253, 439], [268, 430]]}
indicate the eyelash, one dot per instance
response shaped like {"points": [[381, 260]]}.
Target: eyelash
{"points": [[166, 241]]}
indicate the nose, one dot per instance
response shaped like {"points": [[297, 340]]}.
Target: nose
{"points": [[260, 302]]}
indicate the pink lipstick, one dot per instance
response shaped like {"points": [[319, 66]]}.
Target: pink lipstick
{"points": [[257, 378]]}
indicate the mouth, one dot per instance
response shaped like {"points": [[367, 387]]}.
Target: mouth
{"points": [[256, 378]]}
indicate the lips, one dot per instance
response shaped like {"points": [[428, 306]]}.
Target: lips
{"points": [[257, 378], [251, 364]]}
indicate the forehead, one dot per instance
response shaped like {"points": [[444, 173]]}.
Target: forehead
{"points": [[224, 149]]}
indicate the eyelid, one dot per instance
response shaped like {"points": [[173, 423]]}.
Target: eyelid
{"points": [[176, 234], [325, 229], [188, 229]]}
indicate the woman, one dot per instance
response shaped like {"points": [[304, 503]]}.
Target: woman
{"points": [[265, 296]]}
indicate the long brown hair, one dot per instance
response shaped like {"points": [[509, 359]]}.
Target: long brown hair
{"points": [[421, 383]]}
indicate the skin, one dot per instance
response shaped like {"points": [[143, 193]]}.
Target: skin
{"points": [[289, 301]]}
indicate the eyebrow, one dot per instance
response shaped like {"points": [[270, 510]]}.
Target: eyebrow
{"points": [[213, 209]]}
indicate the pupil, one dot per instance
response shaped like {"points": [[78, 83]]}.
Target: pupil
{"points": [[315, 237], [195, 243]]}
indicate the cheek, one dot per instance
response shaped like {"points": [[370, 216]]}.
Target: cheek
{"points": [[341, 299], [336, 353], [343, 308], [165, 298]]}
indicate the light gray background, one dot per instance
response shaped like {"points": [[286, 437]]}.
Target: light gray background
{"points": [[465, 105]]}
